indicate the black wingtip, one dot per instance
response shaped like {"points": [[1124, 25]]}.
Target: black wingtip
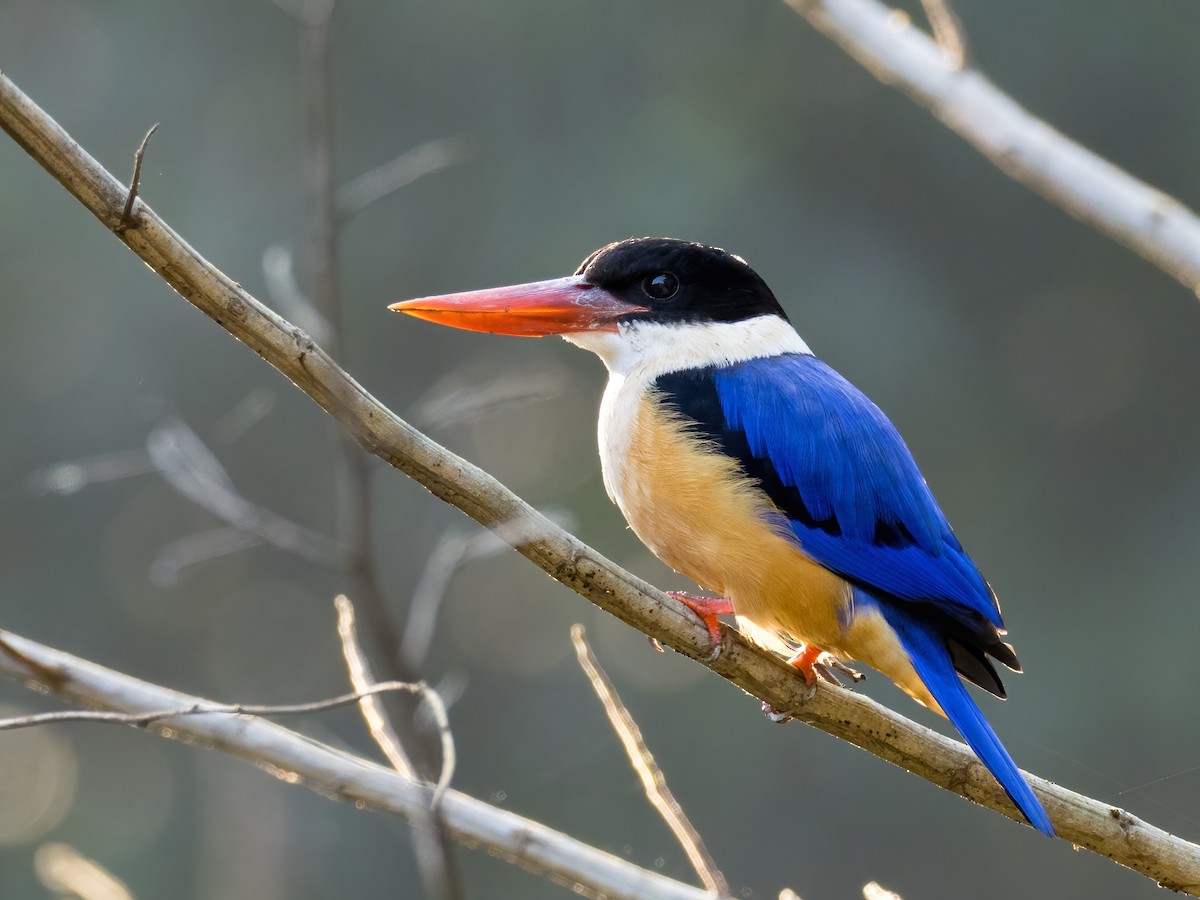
{"points": [[972, 664]]}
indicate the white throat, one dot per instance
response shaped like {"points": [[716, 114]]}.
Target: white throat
{"points": [[650, 349]]}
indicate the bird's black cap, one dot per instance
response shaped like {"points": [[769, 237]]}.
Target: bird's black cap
{"points": [[680, 281]]}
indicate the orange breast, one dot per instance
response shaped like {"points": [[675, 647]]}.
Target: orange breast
{"points": [[695, 509]]}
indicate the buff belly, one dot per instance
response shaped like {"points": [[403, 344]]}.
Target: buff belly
{"points": [[697, 511]]}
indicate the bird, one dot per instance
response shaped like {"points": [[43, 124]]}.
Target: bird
{"points": [[753, 468]]}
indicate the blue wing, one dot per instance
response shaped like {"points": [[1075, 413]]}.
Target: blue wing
{"points": [[834, 464]]}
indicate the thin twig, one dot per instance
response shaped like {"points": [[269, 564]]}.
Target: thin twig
{"points": [[449, 402], [948, 31], [1088, 823], [136, 179], [247, 412], [284, 291], [74, 475], [441, 721], [654, 782], [143, 719], [335, 774], [203, 546], [452, 551], [193, 470], [435, 869], [360, 678], [412, 165]]}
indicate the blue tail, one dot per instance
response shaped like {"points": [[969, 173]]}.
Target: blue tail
{"points": [[927, 650]]}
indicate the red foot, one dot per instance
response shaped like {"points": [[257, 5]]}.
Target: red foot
{"points": [[707, 608], [804, 661]]}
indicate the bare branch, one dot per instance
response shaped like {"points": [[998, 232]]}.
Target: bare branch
{"points": [[447, 403], [360, 679], [433, 865], [342, 776], [654, 782], [948, 31], [1025, 148], [1088, 823], [200, 547], [444, 560], [63, 869], [412, 165], [136, 179], [193, 470], [74, 475], [452, 551]]}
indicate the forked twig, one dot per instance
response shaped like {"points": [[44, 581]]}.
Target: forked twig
{"points": [[653, 780], [436, 874], [193, 470], [381, 730]]}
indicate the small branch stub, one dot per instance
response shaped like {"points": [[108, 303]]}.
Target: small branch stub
{"points": [[948, 31], [135, 180]]}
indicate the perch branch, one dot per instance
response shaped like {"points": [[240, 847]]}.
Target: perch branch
{"points": [[1088, 823], [333, 773], [1025, 148]]}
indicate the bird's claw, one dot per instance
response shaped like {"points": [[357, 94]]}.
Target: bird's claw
{"points": [[829, 668], [715, 653], [707, 608], [775, 715], [816, 665], [780, 716]]}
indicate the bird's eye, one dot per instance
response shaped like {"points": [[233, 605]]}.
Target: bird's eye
{"points": [[662, 286]]}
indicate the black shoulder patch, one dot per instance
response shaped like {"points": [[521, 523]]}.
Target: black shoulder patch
{"points": [[693, 393]]}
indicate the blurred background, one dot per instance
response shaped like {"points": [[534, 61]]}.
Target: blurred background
{"points": [[1045, 378]]}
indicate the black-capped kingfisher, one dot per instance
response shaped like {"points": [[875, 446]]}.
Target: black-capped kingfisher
{"points": [[753, 468]]}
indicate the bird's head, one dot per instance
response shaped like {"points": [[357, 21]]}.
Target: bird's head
{"points": [[631, 296]]}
